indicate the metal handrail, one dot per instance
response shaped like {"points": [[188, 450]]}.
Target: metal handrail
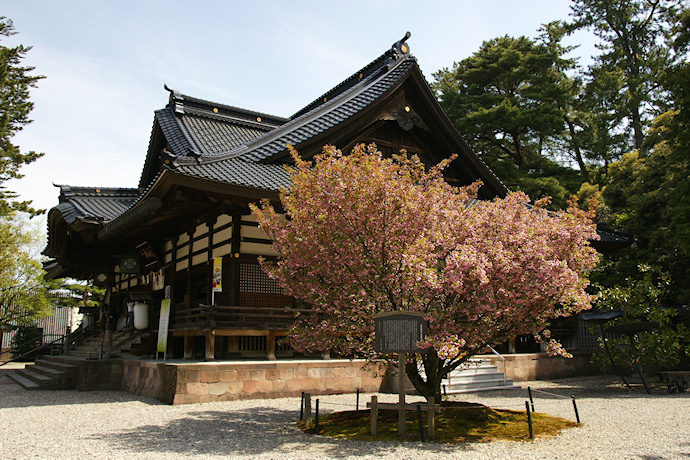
{"points": [[502, 359], [40, 347]]}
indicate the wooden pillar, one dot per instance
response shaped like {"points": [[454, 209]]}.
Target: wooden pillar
{"points": [[401, 394], [235, 241], [271, 345], [190, 242], [209, 248], [374, 415], [188, 346], [431, 419], [210, 353]]}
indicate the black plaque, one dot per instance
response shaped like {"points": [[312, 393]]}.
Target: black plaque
{"points": [[399, 332]]}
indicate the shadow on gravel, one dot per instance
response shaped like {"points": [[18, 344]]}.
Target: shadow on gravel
{"points": [[14, 396], [249, 432], [590, 388]]}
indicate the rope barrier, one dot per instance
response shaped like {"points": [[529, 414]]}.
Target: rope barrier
{"points": [[516, 406], [550, 394]]}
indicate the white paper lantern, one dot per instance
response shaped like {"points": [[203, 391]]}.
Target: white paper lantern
{"points": [[141, 315]]}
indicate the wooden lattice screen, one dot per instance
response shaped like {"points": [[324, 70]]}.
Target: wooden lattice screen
{"points": [[254, 279], [258, 290]]}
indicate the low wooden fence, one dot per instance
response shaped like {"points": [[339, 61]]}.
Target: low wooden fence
{"points": [[232, 317]]}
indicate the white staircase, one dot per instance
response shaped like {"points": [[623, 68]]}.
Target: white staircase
{"points": [[478, 375]]}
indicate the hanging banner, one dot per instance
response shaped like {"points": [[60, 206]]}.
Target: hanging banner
{"points": [[217, 274], [158, 282], [163, 327]]}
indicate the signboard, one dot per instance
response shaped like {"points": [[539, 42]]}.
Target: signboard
{"points": [[163, 327], [399, 332], [129, 264]]}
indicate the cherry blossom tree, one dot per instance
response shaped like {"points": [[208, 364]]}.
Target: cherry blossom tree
{"points": [[362, 234]]}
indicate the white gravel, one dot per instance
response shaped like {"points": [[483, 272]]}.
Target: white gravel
{"points": [[617, 424]]}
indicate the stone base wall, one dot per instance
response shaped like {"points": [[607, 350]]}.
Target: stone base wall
{"points": [[206, 382], [152, 379], [104, 374], [540, 366]]}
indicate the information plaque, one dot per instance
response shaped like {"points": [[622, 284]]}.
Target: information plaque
{"points": [[399, 332]]}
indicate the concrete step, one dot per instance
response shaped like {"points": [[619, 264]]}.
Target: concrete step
{"points": [[40, 368], [479, 385], [475, 371], [51, 362], [40, 379], [63, 360], [472, 390], [24, 382], [84, 354], [51, 379], [464, 378]]}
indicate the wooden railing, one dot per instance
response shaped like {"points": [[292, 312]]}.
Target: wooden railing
{"points": [[236, 317]]}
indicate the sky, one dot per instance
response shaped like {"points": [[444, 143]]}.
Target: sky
{"points": [[106, 62]]}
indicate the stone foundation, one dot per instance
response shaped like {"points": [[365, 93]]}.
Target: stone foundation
{"points": [[104, 374], [188, 383], [540, 366]]}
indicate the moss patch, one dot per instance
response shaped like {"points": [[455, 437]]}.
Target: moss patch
{"points": [[457, 422]]}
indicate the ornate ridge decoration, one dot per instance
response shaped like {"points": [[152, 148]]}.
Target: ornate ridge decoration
{"points": [[406, 117]]}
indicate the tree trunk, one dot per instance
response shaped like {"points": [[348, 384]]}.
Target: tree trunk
{"points": [[435, 372], [576, 149]]}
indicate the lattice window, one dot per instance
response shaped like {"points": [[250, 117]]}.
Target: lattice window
{"points": [[252, 343], [253, 279]]}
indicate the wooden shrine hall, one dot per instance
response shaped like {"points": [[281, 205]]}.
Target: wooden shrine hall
{"points": [[205, 163]]}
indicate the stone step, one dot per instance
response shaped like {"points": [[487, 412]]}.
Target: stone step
{"points": [[476, 385], [62, 360], [462, 378], [49, 361], [475, 371], [41, 368], [87, 354], [24, 382], [40, 379], [488, 388]]}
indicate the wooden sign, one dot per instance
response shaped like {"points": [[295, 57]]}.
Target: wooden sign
{"points": [[399, 332], [129, 264]]}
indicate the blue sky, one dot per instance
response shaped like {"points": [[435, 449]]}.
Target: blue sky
{"points": [[105, 64]]}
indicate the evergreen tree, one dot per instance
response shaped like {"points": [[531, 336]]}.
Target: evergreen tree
{"points": [[624, 81], [515, 104], [15, 83]]}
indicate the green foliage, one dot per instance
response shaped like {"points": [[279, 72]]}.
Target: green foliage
{"points": [[623, 83], [504, 98], [15, 83], [80, 294], [24, 293], [646, 195], [642, 300], [25, 339], [516, 105]]}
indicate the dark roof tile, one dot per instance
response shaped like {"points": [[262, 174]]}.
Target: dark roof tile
{"points": [[96, 204]]}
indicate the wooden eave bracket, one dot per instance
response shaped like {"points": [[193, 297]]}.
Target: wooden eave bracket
{"points": [[146, 208]]}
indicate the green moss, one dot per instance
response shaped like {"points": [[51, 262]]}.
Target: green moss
{"points": [[457, 422]]}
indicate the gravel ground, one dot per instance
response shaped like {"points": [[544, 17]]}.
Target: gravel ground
{"points": [[617, 423]]}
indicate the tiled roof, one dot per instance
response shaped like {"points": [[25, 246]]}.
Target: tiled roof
{"points": [[347, 103], [216, 136], [194, 127], [615, 237], [94, 204], [238, 171]]}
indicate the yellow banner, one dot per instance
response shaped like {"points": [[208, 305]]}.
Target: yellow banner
{"points": [[163, 326], [217, 274]]}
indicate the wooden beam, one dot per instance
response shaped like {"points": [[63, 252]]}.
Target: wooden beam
{"points": [[210, 352]]}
